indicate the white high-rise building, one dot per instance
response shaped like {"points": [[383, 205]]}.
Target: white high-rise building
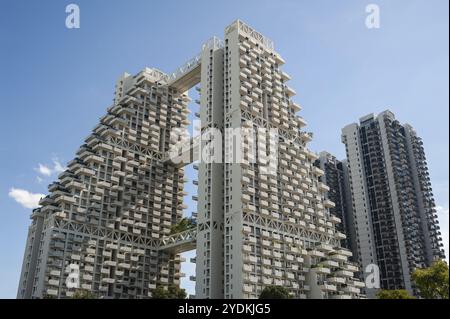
{"points": [[263, 217], [100, 227], [392, 205]]}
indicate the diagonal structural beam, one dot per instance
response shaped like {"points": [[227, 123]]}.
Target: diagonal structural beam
{"points": [[180, 242], [186, 76]]}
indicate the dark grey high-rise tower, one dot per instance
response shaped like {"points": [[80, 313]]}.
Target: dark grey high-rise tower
{"points": [[334, 178], [395, 221]]}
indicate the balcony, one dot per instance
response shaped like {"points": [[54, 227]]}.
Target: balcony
{"points": [[96, 198], [328, 203], [338, 257], [248, 289], [53, 282], [295, 107], [248, 268], [351, 268], [52, 292], [289, 91], [110, 263], [334, 219], [55, 273], [65, 199], [266, 262], [86, 286], [324, 247], [279, 59], [351, 290], [289, 257], [344, 273], [85, 171], [322, 270], [276, 254], [276, 237], [249, 208], [95, 159], [111, 246], [87, 277], [340, 236], [285, 76], [105, 271], [75, 184], [328, 287], [336, 280], [124, 265], [345, 252], [356, 283], [265, 234], [57, 245], [323, 187], [56, 254], [108, 280], [277, 273], [331, 263], [252, 279]]}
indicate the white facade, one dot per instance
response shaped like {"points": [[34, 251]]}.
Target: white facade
{"points": [[275, 228]]}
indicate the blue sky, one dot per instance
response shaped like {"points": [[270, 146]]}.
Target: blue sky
{"points": [[56, 83]]}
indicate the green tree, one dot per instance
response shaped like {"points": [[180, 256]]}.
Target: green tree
{"points": [[172, 292], [182, 225], [83, 294], [176, 292], [274, 292], [394, 294], [159, 293], [432, 282]]}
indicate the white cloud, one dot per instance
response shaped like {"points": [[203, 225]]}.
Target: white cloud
{"points": [[58, 168], [47, 170], [443, 213], [44, 170], [25, 198]]}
